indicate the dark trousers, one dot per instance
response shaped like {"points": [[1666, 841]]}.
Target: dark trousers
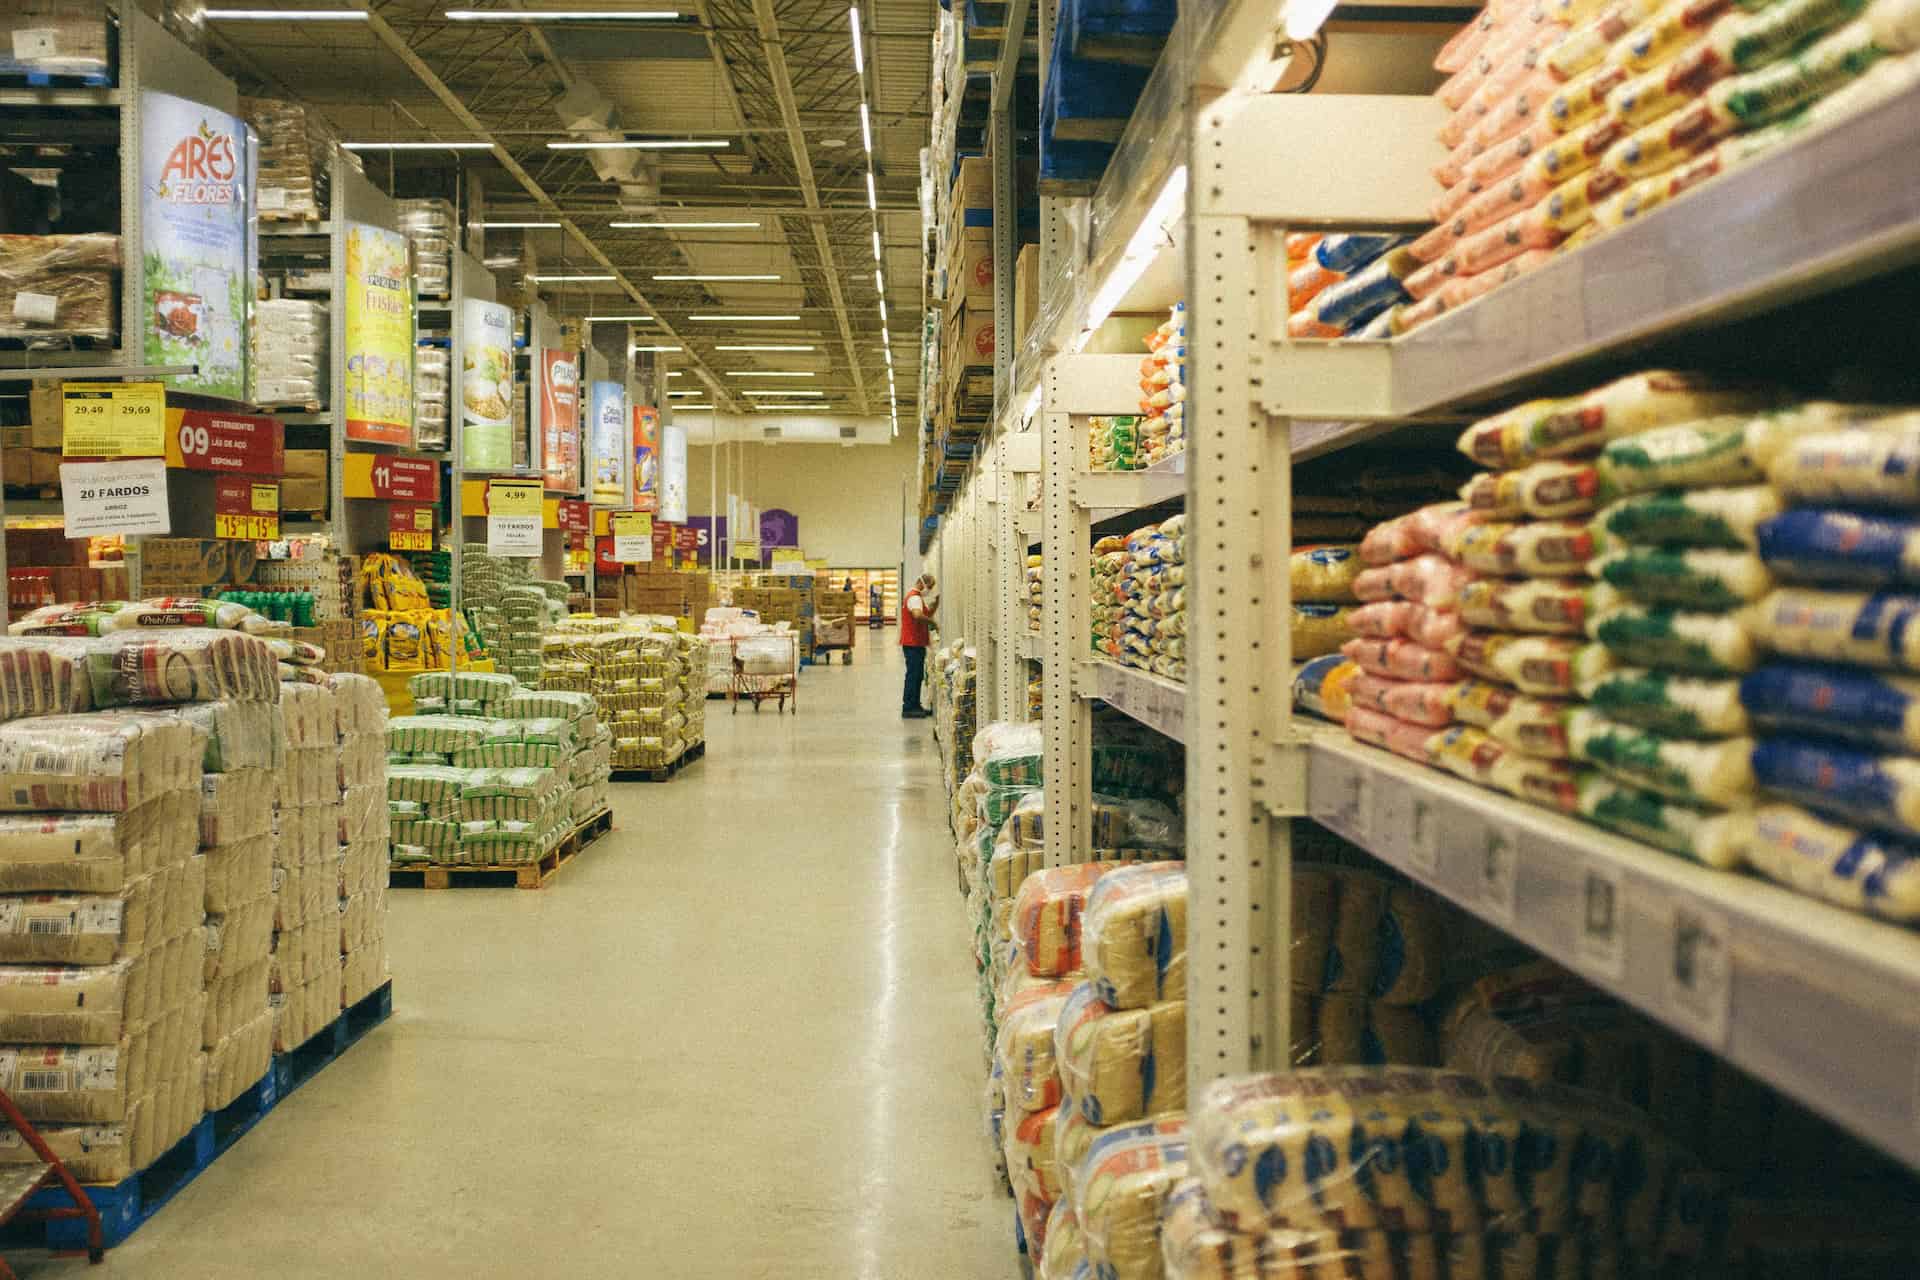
{"points": [[916, 675]]}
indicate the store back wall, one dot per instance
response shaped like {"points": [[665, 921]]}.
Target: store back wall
{"points": [[848, 500]]}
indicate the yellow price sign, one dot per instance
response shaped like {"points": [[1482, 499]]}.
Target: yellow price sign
{"points": [[246, 526], [113, 419], [515, 497], [410, 540]]}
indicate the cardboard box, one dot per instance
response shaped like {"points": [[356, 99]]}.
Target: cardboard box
{"points": [[49, 427], [308, 463], [1026, 293], [302, 493]]}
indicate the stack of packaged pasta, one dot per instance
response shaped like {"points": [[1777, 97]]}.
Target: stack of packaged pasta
{"points": [[361, 857], [1120, 1051], [1572, 118], [1313, 1173], [103, 949], [1367, 952], [1835, 709], [1661, 597], [304, 972], [1163, 390], [1036, 590]]}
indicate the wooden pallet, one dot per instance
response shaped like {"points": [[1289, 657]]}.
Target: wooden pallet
{"points": [[523, 875], [686, 758], [127, 1205]]}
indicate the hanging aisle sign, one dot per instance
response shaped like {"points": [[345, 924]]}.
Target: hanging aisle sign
{"points": [[632, 537], [513, 517], [113, 419], [128, 498]]}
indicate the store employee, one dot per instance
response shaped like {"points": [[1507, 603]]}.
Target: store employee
{"points": [[916, 617]]}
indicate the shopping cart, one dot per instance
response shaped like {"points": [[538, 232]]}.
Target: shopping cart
{"points": [[833, 635], [18, 1182], [766, 666]]}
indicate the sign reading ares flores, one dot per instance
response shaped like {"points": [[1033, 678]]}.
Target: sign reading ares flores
{"points": [[129, 498]]}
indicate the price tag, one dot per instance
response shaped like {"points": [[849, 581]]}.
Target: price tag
{"points": [[1603, 924], [113, 419], [128, 498], [1496, 872], [35, 308], [632, 537], [31, 44], [1700, 975], [1423, 836]]}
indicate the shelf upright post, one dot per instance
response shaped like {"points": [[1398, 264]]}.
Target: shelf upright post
{"points": [[1067, 720], [1237, 525]]}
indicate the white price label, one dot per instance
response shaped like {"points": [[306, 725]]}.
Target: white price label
{"points": [[128, 498], [1496, 873], [35, 308], [1603, 922], [1700, 975], [1423, 836], [31, 44]]}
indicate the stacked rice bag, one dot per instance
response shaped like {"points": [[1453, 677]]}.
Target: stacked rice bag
{"points": [[1163, 390], [1834, 709], [1366, 953], [1145, 623], [1295, 1175], [1572, 118], [1344, 285]]}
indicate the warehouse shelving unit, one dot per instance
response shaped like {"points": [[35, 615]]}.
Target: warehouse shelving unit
{"points": [[1212, 173]]}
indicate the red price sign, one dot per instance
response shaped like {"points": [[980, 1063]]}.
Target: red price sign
{"points": [[391, 479], [575, 516], [249, 444], [410, 528]]}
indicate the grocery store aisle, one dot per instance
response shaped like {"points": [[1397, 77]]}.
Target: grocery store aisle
{"points": [[737, 1039]]}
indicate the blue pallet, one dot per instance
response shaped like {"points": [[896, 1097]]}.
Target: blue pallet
{"points": [[126, 1205]]}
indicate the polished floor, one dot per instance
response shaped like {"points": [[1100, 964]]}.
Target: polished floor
{"points": [[735, 1040]]}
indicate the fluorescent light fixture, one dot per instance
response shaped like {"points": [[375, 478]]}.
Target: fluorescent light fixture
{"points": [[520, 226], [720, 277], [618, 319], [1146, 243], [645, 144], [788, 391], [859, 58], [1304, 17], [559, 15], [866, 128], [876, 244], [719, 318], [767, 346], [683, 226], [569, 279], [769, 373], [418, 146], [284, 15], [873, 197], [879, 281], [637, 349]]}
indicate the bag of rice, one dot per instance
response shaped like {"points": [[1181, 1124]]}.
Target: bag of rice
{"points": [[1728, 518], [1834, 702], [1716, 773], [1854, 627], [1841, 865], [1706, 644], [1699, 578]]}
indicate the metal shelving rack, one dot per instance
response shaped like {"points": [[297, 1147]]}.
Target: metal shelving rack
{"points": [[1781, 985]]}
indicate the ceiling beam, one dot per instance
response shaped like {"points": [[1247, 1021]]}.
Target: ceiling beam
{"points": [[392, 39], [775, 49]]}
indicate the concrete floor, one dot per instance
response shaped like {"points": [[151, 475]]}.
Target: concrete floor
{"points": [[736, 1039]]}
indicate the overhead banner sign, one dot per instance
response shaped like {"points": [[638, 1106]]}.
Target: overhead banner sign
{"points": [[249, 444], [486, 387], [560, 420], [513, 517], [633, 537], [128, 498], [195, 277], [608, 457], [646, 458], [113, 419], [379, 336], [673, 473], [246, 509]]}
